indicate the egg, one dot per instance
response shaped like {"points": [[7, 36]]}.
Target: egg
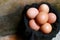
{"points": [[46, 28], [44, 8], [52, 18], [42, 18], [33, 25], [12, 37], [32, 13]]}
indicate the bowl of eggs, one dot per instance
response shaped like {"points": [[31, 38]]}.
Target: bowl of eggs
{"points": [[41, 20]]}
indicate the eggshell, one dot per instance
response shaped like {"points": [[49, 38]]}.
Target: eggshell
{"points": [[46, 28], [52, 18], [44, 8], [32, 12], [33, 25], [42, 18], [12, 37]]}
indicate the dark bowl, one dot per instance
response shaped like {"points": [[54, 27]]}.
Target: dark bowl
{"points": [[29, 34]]}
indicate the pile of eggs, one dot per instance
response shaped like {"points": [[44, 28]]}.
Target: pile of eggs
{"points": [[41, 18]]}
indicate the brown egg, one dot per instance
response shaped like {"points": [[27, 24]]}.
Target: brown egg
{"points": [[42, 18], [44, 8], [32, 12], [52, 18], [33, 25], [46, 28], [12, 37]]}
